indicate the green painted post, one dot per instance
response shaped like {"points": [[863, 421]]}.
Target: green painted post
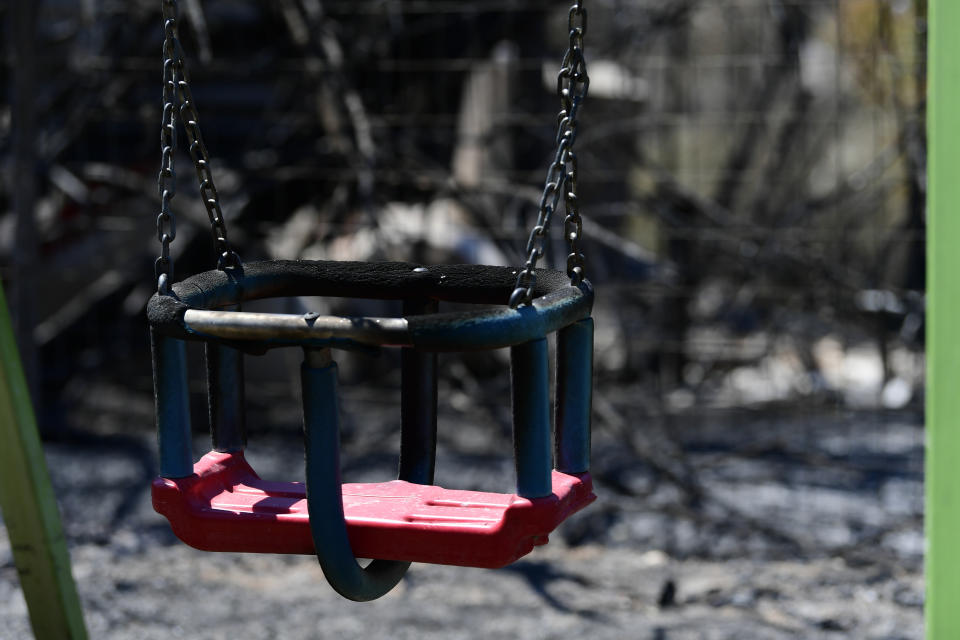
{"points": [[943, 328], [29, 507]]}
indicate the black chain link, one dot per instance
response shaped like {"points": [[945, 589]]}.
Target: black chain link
{"points": [[572, 85], [177, 93]]}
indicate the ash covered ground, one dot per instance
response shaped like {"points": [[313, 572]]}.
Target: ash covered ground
{"points": [[790, 523]]}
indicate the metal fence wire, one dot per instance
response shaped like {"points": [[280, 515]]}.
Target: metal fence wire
{"points": [[751, 170]]}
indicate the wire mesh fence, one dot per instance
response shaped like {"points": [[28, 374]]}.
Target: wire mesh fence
{"points": [[749, 168]]}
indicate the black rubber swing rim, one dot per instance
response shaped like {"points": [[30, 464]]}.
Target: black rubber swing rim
{"points": [[192, 311]]}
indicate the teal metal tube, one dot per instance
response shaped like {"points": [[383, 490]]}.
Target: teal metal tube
{"points": [[418, 406], [574, 397], [529, 372], [225, 397], [321, 424], [172, 405]]}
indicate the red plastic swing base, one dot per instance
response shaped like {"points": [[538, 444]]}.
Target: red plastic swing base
{"points": [[225, 506]]}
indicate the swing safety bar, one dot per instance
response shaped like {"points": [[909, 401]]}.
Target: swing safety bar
{"points": [[192, 312], [221, 504]]}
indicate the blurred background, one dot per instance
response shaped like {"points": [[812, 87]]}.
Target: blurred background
{"points": [[752, 179]]}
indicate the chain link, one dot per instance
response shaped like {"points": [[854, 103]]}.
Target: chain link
{"points": [[179, 105], [561, 183]]}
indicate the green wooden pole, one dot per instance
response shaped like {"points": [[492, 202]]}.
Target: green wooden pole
{"points": [[29, 507], [943, 328]]}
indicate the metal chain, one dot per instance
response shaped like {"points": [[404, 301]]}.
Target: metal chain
{"points": [[167, 181], [177, 93], [572, 85]]}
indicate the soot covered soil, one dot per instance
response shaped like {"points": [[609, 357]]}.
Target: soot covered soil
{"points": [[721, 524]]}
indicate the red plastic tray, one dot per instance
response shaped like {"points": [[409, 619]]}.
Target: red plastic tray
{"points": [[225, 506]]}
